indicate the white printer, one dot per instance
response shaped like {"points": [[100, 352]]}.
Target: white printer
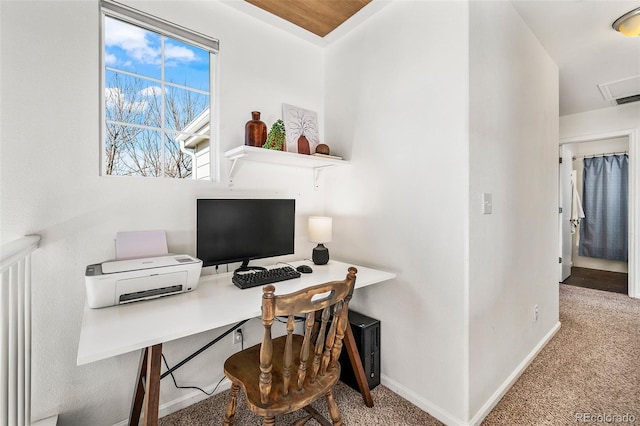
{"points": [[122, 281]]}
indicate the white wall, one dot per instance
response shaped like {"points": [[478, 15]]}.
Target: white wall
{"points": [[513, 155], [615, 118], [50, 184], [396, 106]]}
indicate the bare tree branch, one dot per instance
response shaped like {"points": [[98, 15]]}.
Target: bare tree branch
{"points": [[137, 151]]}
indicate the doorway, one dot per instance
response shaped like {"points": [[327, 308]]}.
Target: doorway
{"points": [[611, 143]]}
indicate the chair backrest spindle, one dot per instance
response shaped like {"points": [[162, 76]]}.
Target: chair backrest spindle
{"points": [[288, 355], [320, 343], [304, 351], [343, 322], [331, 338], [266, 351]]}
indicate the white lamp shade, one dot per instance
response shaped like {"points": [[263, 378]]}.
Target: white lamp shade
{"points": [[320, 229]]}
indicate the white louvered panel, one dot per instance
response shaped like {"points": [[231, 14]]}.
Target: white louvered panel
{"points": [[15, 331], [4, 352], [27, 340], [13, 347]]}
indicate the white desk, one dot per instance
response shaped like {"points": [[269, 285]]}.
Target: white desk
{"points": [[215, 303]]}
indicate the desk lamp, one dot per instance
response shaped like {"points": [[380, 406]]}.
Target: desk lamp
{"points": [[320, 232]]}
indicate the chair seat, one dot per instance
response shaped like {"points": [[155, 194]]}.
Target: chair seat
{"points": [[243, 368]]}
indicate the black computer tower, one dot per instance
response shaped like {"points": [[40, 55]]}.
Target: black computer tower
{"points": [[366, 331]]}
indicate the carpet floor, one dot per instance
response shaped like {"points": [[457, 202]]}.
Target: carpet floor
{"points": [[590, 368], [389, 409], [588, 373]]}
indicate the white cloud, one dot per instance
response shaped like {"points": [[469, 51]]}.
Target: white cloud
{"points": [[113, 96], [178, 53], [140, 46], [151, 91], [131, 39], [110, 59], [116, 99]]}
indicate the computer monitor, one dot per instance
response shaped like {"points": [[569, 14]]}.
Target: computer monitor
{"points": [[240, 230]]}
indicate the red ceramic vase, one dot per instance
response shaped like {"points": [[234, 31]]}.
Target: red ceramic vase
{"points": [[303, 145]]}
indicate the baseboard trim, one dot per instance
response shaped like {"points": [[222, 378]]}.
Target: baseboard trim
{"points": [[513, 377], [191, 398], [49, 421], [449, 419], [433, 410], [185, 400]]}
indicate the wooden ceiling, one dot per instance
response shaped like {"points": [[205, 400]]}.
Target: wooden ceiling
{"points": [[317, 16]]}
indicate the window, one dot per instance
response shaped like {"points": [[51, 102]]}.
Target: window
{"points": [[157, 97]]}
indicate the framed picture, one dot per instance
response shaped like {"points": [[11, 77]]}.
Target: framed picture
{"points": [[301, 126]]}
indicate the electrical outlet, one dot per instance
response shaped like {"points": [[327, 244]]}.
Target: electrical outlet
{"points": [[237, 335], [535, 313]]}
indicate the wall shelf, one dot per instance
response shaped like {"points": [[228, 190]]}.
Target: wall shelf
{"points": [[261, 155]]}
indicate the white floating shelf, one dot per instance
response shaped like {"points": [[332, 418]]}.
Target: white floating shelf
{"points": [[262, 155]]}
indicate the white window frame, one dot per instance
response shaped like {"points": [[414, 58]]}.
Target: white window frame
{"points": [[112, 9]]}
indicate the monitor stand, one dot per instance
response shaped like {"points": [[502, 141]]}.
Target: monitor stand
{"points": [[246, 268]]}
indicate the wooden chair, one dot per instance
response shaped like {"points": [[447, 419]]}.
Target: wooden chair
{"points": [[289, 373]]}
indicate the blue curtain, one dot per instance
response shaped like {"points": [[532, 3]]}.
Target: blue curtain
{"points": [[605, 198]]}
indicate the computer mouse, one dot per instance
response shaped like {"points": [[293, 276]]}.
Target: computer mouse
{"points": [[305, 269]]}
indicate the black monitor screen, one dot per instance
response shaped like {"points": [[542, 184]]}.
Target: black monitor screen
{"points": [[238, 230]]}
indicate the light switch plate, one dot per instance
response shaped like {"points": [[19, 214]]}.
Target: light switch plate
{"points": [[487, 203]]}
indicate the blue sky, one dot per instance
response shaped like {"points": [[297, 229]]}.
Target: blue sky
{"points": [[134, 49]]}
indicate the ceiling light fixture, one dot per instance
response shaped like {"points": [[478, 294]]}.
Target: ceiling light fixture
{"points": [[629, 23]]}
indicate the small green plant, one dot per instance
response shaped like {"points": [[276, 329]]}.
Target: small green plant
{"points": [[276, 138]]}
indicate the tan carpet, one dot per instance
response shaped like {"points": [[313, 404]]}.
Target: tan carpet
{"points": [[591, 366], [389, 409]]}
